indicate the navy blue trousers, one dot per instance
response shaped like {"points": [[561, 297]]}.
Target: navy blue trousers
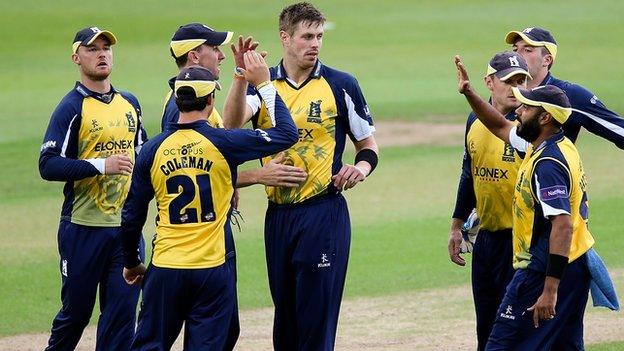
{"points": [[492, 271], [514, 330], [201, 299], [307, 250], [92, 256]]}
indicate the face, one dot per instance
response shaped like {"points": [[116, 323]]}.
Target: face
{"points": [[501, 90], [529, 128], [207, 56], [304, 45], [534, 56], [95, 60]]}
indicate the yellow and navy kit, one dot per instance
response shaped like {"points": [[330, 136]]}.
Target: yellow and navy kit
{"points": [[489, 171], [326, 107], [551, 182], [85, 128], [171, 113], [191, 170]]}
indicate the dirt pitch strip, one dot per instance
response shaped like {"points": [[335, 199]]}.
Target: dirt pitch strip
{"points": [[438, 319]]}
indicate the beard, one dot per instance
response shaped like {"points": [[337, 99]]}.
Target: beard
{"points": [[97, 75], [529, 130]]}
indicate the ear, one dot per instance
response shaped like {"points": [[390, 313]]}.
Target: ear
{"points": [[284, 37], [545, 118], [489, 82], [75, 59], [193, 57], [547, 60]]}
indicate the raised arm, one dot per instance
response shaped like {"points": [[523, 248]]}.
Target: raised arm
{"points": [[236, 112], [491, 118]]}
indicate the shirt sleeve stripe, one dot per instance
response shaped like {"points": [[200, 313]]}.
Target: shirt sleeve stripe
{"points": [[358, 125], [608, 125], [67, 134]]}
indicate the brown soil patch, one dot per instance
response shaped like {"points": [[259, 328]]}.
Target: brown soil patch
{"points": [[401, 133], [439, 319]]}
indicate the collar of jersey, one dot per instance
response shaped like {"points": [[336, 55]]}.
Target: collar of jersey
{"points": [[280, 72], [172, 82], [553, 139], [84, 91], [192, 125], [547, 79]]}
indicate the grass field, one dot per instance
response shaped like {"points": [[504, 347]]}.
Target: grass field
{"points": [[401, 52]]}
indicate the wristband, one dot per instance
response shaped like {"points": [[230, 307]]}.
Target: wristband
{"points": [[556, 266], [369, 156], [238, 74], [263, 84]]}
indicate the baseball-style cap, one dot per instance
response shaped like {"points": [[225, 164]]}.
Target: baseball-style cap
{"points": [[534, 36], [507, 64], [551, 98], [88, 35], [198, 78], [192, 35]]}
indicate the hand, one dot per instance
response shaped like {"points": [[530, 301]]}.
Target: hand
{"points": [[348, 177], [134, 275], [454, 245], [235, 198], [256, 70], [275, 173], [243, 46], [544, 308], [118, 164], [463, 83]]}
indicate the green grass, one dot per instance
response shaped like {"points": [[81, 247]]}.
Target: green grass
{"points": [[612, 346], [401, 53]]}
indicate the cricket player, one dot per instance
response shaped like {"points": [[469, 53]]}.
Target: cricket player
{"points": [[489, 171], [307, 229], [550, 234], [191, 170], [196, 44], [90, 144], [539, 49]]}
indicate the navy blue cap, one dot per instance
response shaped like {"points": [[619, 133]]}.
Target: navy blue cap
{"points": [[534, 36], [551, 98], [198, 78], [507, 64], [87, 36], [192, 35]]}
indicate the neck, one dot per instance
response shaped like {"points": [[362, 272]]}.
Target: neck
{"points": [[502, 109], [194, 116], [98, 86], [294, 71], [544, 135], [537, 79]]}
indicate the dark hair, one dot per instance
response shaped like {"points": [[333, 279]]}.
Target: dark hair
{"points": [[297, 13], [182, 60], [187, 101]]}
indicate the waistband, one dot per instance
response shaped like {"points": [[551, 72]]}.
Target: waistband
{"points": [[308, 202]]}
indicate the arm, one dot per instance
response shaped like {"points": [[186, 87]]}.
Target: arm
{"points": [[350, 175], [552, 186], [236, 112], [58, 158], [491, 118], [464, 204], [245, 145], [273, 173], [593, 115], [133, 218]]}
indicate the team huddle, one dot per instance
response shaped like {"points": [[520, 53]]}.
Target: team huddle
{"points": [[533, 263], [302, 113], [522, 181]]}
